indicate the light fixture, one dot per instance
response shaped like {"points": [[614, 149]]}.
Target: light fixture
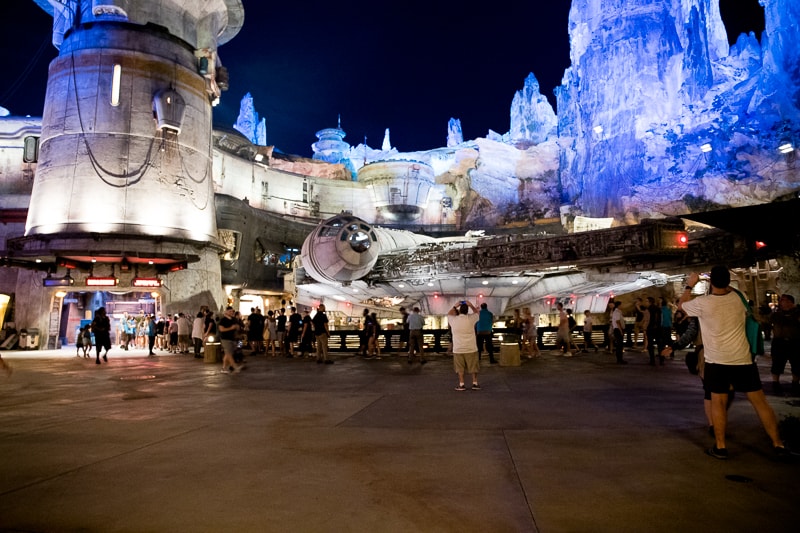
{"points": [[786, 148], [104, 281], [146, 282], [38, 260], [705, 148], [57, 282], [115, 81], [598, 129], [60, 294], [485, 282]]}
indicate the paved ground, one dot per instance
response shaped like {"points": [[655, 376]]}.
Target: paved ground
{"points": [[554, 445]]}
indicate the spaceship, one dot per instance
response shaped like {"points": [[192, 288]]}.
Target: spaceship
{"points": [[347, 263]]}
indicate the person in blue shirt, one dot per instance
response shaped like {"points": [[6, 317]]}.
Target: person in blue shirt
{"points": [[484, 332]]}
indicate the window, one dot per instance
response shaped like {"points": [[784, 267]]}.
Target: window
{"points": [[30, 153], [231, 240]]}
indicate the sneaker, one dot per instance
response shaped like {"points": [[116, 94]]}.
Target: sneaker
{"points": [[717, 453], [475, 386], [461, 387], [224, 371], [784, 453], [105, 358], [567, 354]]}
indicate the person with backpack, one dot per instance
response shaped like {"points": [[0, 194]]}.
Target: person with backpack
{"points": [[728, 358]]}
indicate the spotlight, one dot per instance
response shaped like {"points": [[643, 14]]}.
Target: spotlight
{"points": [[705, 148]]}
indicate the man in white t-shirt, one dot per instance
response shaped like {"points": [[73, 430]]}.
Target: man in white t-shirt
{"points": [[465, 343], [728, 363]]}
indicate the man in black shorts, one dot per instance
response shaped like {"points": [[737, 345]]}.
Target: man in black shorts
{"points": [[728, 362]]}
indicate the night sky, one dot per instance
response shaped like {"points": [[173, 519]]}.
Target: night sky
{"points": [[409, 68]]}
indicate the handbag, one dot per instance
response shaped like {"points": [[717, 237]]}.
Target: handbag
{"points": [[752, 329]]}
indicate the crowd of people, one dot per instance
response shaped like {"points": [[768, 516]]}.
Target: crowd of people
{"points": [[714, 325]]}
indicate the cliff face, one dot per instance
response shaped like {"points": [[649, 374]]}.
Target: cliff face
{"points": [[651, 83], [657, 116]]}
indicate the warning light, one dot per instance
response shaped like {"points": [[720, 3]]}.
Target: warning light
{"points": [[674, 240], [760, 245], [178, 267]]}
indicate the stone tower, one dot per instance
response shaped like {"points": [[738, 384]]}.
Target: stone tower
{"points": [[124, 179]]}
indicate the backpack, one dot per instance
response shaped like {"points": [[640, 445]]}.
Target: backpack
{"points": [[571, 322]]}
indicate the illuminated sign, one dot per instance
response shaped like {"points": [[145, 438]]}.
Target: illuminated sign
{"points": [[57, 282], [101, 282], [146, 282]]}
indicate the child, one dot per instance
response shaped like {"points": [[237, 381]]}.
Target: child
{"points": [[79, 343], [87, 340]]}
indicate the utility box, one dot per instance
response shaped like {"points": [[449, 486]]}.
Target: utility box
{"points": [[29, 339], [509, 354], [211, 354]]}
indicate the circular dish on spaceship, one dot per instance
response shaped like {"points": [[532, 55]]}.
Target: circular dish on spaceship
{"points": [[344, 248]]}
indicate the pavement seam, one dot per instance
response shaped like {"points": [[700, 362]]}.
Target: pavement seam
{"points": [[519, 481]]}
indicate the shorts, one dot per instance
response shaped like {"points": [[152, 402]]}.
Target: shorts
{"points": [[719, 379], [228, 346], [184, 339], [784, 351], [466, 362]]}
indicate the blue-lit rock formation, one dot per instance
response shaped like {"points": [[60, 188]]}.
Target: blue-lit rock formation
{"points": [[248, 123], [657, 116], [454, 133], [532, 117]]}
